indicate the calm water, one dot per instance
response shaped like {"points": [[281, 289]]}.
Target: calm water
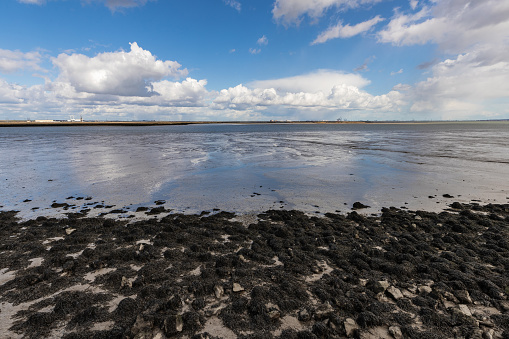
{"points": [[251, 168]]}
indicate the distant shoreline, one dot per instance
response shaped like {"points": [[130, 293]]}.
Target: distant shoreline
{"points": [[18, 123]]}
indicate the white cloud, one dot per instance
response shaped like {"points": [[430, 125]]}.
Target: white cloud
{"points": [[234, 4], [340, 31], [398, 72], [318, 81], [113, 5], [255, 51], [291, 11], [263, 41], [414, 3], [474, 34], [9, 93], [323, 90], [117, 73], [455, 25], [464, 84], [32, 2], [187, 93], [12, 61]]}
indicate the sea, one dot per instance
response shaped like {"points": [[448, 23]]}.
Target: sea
{"points": [[250, 168]]}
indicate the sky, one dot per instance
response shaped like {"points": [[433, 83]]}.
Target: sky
{"points": [[241, 60]]}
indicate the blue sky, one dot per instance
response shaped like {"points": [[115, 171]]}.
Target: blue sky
{"points": [[254, 60]]}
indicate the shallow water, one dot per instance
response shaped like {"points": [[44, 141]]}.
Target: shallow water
{"points": [[254, 167]]}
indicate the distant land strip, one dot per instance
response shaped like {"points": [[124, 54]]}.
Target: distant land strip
{"points": [[49, 123]]}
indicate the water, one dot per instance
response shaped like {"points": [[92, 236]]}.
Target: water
{"points": [[251, 168]]}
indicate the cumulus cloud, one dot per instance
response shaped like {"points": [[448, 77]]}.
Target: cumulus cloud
{"points": [[291, 11], [347, 31], [10, 93], [12, 61], [318, 81], [325, 90], [455, 25], [343, 97], [466, 82], [474, 35], [117, 73]]}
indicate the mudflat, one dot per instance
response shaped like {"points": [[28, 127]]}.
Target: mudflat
{"points": [[283, 274]]}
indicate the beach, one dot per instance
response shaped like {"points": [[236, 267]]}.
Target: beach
{"points": [[255, 231], [281, 274]]}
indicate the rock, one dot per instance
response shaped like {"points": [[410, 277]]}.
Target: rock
{"points": [[394, 292], [304, 315], [395, 331], [126, 282], [219, 290], [363, 282], [69, 231], [173, 325], [350, 327], [463, 296], [357, 205], [384, 283], [424, 289], [418, 217], [488, 333], [465, 310], [505, 305], [142, 328], [274, 314], [237, 287]]}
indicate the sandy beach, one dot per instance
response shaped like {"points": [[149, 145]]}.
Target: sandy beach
{"points": [[281, 274]]}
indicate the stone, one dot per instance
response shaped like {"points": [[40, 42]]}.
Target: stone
{"points": [[395, 331], [126, 282], [488, 333], [69, 231], [304, 315], [394, 292], [465, 310], [424, 289], [237, 287], [173, 325], [350, 327], [384, 283], [463, 296], [274, 314], [219, 291]]}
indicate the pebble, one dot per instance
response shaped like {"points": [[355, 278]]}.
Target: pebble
{"points": [[350, 327], [394, 292], [219, 290], [424, 289], [465, 310], [395, 331], [237, 287]]}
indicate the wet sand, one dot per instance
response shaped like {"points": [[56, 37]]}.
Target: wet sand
{"points": [[283, 274]]}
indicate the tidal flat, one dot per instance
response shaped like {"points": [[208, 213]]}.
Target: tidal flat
{"points": [[283, 274]]}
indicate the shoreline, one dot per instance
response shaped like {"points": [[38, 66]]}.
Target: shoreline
{"points": [[16, 123], [286, 274]]}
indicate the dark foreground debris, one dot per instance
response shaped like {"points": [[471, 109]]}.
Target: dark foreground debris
{"points": [[401, 275]]}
